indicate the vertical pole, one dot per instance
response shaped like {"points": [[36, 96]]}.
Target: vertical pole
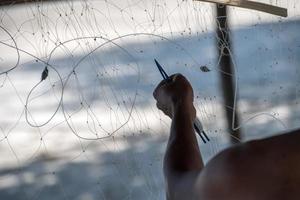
{"points": [[226, 72]]}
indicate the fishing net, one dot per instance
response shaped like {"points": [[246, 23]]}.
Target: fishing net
{"points": [[78, 120]]}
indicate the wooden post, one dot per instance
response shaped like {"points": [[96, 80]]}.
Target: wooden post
{"points": [[253, 5], [226, 72]]}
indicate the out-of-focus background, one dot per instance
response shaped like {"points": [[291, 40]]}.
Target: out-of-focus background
{"points": [[91, 130]]}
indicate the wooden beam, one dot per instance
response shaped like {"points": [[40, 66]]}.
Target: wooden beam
{"points": [[227, 83], [267, 8], [14, 2]]}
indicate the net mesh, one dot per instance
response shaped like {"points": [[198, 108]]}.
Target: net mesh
{"points": [[78, 120]]}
